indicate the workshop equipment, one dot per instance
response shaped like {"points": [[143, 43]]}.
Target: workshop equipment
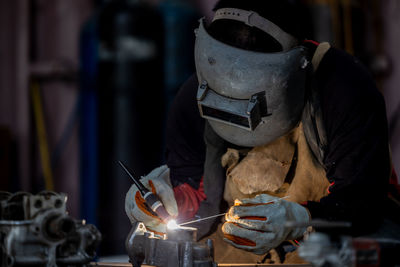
{"points": [[328, 246], [176, 248], [124, 264], [321, 249], [36, 230]]}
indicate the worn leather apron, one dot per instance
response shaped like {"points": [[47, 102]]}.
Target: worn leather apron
{"points": [[285, 167]]}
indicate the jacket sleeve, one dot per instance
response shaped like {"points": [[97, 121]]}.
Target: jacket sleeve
{"points": [[185, 147], [214, 182], [357, 159], [188, 200]]}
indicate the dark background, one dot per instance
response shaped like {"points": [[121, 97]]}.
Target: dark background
{"points": [[86, 83]]}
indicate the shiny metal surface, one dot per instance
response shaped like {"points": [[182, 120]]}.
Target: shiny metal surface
{"points": [[120, 264], [37, 230], [177, 248]]}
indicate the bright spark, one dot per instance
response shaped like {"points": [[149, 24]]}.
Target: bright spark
{"points": [[172, 225]]}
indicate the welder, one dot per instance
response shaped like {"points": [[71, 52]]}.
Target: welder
{"points": [[270, 113]]}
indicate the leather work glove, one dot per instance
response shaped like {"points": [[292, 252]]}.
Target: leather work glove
{"points": [[159, 183], [257, 224]]}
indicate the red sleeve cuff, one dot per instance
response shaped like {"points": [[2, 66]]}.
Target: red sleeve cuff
{"points": [[188, 200]]}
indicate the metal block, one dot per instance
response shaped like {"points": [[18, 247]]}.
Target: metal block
{"points": [[177, 248]]}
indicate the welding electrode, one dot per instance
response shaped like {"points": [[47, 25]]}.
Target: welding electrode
{"points": [[151, 200]]}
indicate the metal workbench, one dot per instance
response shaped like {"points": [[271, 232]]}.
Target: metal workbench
{"points": [[123, 264]]}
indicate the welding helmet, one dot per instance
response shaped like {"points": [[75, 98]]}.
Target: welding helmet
{"points": [[250, 98]]}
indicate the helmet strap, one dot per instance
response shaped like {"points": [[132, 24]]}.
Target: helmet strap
{"points": [[252, 19]]}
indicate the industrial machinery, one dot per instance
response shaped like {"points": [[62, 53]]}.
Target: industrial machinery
{"points": [[321, 249], [176, 248], [327, 246], [36, 230]]}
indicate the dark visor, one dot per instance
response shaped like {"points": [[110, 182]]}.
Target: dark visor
{"points": [[245, 114]]}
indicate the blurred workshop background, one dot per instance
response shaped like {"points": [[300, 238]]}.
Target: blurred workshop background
{"points": [[85, 83]]}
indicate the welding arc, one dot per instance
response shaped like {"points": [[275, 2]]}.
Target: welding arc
{"points": [[143, 190], [221, 214], [202, 219]]}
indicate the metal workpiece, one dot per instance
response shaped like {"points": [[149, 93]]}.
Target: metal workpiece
{"points": [[37, 230], [123, 264], [329, 245], [176, 248], [182, 234], [325, 249], [320, 250]]}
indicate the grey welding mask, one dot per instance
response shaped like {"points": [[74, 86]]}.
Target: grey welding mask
{"points": [[250, 98]]}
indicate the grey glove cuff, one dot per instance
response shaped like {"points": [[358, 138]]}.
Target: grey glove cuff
{"points": [[300, 214]]}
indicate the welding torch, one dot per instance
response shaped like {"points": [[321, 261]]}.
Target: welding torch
{"points": [[152, 201]]}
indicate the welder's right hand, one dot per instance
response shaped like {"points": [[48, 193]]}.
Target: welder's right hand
{"points": [[158, 182], [258, 224]]}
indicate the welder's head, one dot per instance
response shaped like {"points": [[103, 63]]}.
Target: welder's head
{"points": [[252, 69]]}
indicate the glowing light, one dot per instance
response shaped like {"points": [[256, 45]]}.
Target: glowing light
{"points": [[172, 224]]}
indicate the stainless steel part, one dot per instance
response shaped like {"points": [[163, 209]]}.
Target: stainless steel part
{"points": [[123, 264], [237, 76], [177, 248], [325, 249], [329, 246], [319, 250], [37, 230]]}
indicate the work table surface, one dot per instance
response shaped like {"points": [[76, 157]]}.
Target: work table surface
{"points": [[124, 264]]}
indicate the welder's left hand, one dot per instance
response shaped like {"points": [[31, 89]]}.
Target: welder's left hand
{"points": [[257, 224], [158, 182]]}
